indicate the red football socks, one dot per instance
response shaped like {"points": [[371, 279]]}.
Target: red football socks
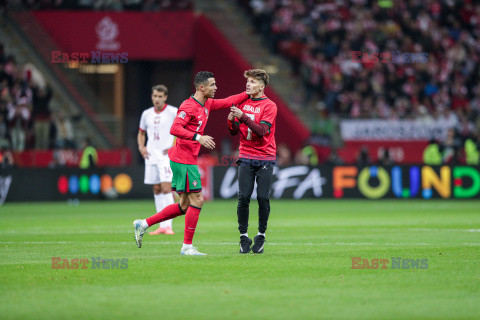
{"points": [[169, 212], [191, 219]]}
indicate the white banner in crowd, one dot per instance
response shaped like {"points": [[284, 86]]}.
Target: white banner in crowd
{"points": [[394, 129]]}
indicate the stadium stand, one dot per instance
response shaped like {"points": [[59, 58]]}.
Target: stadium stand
{"points": [[319, 40], [48, 118], [117, 5], [319, 37], [27, 121]]}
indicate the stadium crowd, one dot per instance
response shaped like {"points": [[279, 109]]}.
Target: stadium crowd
{"points": [[319, 39], [117, 5], [27, 120]]}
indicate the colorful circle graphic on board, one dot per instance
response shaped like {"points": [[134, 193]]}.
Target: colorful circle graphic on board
{"points": [[94, 184]]}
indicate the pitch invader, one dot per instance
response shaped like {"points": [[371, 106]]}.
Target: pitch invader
{"points": [[255, 120], [155, 124], [188, 127]]}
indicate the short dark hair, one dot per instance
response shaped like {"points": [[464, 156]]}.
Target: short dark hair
{"points": [[160, 88], [202, 77], [258, 74]]}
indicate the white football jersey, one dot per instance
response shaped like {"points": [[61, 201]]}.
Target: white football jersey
{"points": [[157, 126]]}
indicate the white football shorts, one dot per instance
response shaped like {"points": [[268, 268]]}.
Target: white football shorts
{"points": [[158, 173]]}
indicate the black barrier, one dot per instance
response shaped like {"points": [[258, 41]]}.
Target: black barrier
{"points": [[295, 182], [63, 184], [373, 182]]}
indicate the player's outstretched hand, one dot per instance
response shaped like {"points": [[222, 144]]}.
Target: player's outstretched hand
{"points": [[207, 142], [236, 112], [143, 152]]}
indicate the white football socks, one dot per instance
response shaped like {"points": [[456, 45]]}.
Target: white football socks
{"points": [[244, 234], [167, 199], [163, 200], [159, 202]]}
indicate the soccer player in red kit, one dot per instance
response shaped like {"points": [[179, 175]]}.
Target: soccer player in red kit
{"points": [[188, 127], [255, 120]]}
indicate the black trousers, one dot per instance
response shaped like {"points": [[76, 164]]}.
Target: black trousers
{"points": [[248, 173]]}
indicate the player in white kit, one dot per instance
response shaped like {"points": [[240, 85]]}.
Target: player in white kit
{"points": [[156, 123]]}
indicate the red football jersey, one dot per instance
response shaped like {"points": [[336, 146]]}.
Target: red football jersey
{"points": [[261, 110], [192, 116]]}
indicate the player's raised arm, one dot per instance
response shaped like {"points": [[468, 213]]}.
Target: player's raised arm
{"points": [[218, 104], [268, 118], [233, 124], [178, 127], [260, 129]]}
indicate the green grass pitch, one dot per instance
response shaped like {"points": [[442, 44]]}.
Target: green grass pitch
{"points": [[305, 273]]}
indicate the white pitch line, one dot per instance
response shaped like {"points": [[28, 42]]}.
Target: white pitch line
{"points": [[23, 263], [448, 230], [66, 232], [35, 231], [235, 243]]}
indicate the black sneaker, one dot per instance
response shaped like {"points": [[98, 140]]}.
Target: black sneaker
{"points": [[259, 242], [245, 243]]}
